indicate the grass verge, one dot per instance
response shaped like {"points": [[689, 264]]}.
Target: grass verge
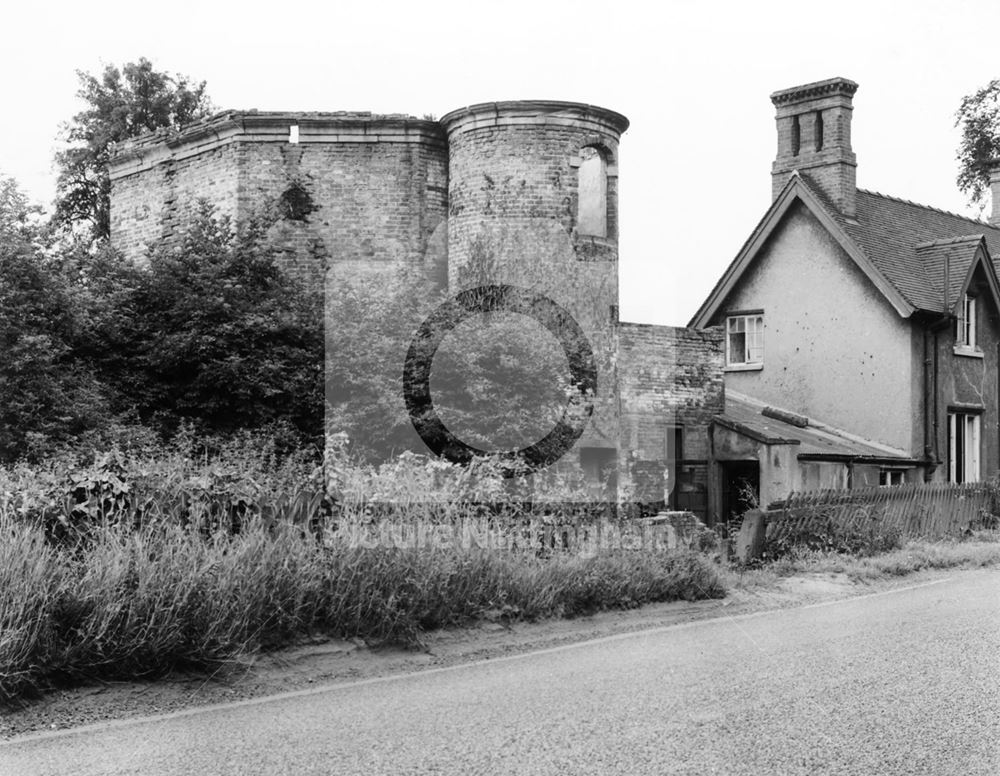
{"points": [[983, 549], [132, 603]]}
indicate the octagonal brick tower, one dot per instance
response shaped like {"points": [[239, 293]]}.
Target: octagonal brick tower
{"points": [[533, 202], [359, 191]]}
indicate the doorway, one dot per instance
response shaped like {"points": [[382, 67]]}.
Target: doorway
{"points": [[740, 488]]}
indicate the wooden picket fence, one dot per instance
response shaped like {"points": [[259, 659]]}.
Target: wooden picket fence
{"points": [[925, 510]]}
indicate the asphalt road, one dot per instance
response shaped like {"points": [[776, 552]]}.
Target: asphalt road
{"points": [[904, 682]]}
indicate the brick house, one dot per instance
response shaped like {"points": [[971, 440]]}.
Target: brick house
{"points": [[862, 331]]}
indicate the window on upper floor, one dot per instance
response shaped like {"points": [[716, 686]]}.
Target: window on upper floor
{"points": [[592, 193], [965, 325], [745, 341], [963, 447]]}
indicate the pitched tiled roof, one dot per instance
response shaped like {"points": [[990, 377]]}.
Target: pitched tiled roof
{"points": [[903, 247], [888, 231], [946, 264]]}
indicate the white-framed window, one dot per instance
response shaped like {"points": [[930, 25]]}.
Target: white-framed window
{"points": [[963, 447], [889, 477], [745, 340], [965, 329]]}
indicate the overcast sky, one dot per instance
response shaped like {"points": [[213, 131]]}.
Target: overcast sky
{"points": [[693, 78]]}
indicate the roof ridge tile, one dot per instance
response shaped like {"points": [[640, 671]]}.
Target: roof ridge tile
{"points": [[945, 241], [977, 221]]}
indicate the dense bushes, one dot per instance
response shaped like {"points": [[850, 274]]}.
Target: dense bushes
{"points": [[207, 485], [48, 395], [208, 334], [221, 338]]}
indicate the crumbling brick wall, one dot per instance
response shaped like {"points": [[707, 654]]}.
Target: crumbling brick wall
{"points": [[669, 378], [153, 204], [332, 188]]}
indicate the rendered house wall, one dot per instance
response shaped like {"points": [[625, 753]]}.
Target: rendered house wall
{"points": [[833, 347]]}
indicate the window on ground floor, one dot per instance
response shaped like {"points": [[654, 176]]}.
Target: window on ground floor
{"points": [[963, 447], [890, 477]]}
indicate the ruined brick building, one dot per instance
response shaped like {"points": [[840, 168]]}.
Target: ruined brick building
{"points": [[530, 185]]}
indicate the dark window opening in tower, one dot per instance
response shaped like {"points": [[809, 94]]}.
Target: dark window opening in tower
{"points": [[795, 135], [296, 204], [592, 192], [818, 124]]}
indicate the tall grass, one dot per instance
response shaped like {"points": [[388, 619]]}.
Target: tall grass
{"points": [[139, 602], [135, 563]]}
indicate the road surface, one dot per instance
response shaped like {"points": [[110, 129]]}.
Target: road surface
{"points": [[901, 682]]}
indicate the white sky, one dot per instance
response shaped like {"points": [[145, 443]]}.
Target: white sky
{"points": [[693, 78]]}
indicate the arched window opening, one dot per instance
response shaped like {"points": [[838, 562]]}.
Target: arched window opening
{"points": [[818, 125], [795, 135], [592, 191]]}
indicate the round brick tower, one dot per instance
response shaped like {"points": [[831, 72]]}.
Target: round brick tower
{"points": [[533, 202]]}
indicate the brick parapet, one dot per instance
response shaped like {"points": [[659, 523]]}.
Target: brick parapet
{"points": [[533, 113], [271, 127], [374, 188]]}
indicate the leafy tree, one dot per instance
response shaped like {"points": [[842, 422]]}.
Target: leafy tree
{"points": [[48, 395], [213, 333], [121, 104], [979, 120], [18, 216]]}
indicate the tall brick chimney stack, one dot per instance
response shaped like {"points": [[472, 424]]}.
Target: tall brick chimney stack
{"points": [[814, 137], [995, 191]]}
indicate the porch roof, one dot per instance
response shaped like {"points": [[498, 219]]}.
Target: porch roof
{"points": [[815, 441]]}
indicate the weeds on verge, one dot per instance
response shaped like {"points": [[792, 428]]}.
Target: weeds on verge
{"points": [[139, 602], [136, 562], [128, 599], [982, 549]]}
